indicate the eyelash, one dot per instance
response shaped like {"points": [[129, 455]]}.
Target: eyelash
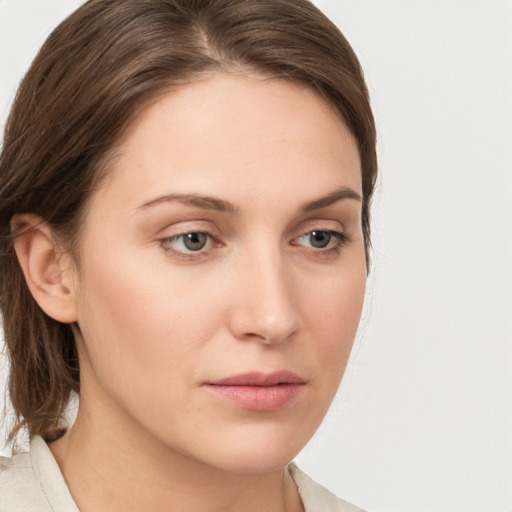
{"points": [[339, 238]]}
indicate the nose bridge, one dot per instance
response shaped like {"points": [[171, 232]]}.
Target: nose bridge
{"points": [[265, 308]]}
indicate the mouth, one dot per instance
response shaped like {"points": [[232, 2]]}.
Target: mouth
{"points": [[256, 391]]}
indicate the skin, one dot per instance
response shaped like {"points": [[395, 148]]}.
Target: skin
{"points": [[158, 321]]}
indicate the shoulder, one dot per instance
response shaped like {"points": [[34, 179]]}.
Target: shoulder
{"points": [[317, 498], [20, 490]]}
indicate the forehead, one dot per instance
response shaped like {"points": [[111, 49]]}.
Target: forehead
{"points": [[236, 134]]}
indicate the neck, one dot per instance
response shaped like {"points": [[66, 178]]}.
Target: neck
{"points": [[129, 470]]}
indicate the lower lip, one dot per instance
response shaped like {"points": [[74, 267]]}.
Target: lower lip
{"points": [[258, 398]]}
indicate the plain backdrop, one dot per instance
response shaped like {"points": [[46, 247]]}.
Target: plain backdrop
{"points": [[423, 421]]}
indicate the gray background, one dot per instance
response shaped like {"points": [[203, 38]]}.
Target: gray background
{"points": [[423, 421]]}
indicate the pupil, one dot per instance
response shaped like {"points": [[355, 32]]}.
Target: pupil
{"points": [[320, 239], [194, 241]]}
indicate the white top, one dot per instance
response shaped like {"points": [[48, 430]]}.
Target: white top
{"points": [[32, 482]]}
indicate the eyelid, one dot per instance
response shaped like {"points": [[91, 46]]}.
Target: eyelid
{"points": [[183, 226], [321, 223]]}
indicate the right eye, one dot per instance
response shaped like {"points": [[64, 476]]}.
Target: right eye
{"points": [[187, 243]]}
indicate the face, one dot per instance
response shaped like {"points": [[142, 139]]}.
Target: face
{"points": [[222, 273]]}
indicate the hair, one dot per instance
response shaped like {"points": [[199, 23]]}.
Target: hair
{"points": [[94, 72]]}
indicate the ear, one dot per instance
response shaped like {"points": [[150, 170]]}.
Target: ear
{"points": [[49, 272]]}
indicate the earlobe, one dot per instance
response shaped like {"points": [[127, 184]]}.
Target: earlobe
{"points": [[48, 271]]}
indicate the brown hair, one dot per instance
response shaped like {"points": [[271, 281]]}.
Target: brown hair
{"points": [[95, 70]]}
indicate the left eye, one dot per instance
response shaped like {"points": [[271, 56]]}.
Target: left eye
{"points": [[320, 239], [194, 241]]}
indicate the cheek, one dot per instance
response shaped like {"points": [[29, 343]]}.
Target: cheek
{"points": [[138, 320], [332, 316]]}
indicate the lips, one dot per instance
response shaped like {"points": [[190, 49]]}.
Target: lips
{"points": [[256, 391]]}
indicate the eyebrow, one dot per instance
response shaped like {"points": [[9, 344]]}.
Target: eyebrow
{"points": [[328, 200], [196, 200], [220, 205]]}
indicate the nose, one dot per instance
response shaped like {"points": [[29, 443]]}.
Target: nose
{"points": [[264, 307]]}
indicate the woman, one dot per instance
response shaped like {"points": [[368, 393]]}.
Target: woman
{"points": [[185, 203]]}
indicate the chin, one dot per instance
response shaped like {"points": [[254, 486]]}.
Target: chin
{"points": [[256, 461], [257, 450]]}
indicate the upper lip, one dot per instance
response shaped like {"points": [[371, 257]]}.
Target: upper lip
{"points": [[259, 379]]}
